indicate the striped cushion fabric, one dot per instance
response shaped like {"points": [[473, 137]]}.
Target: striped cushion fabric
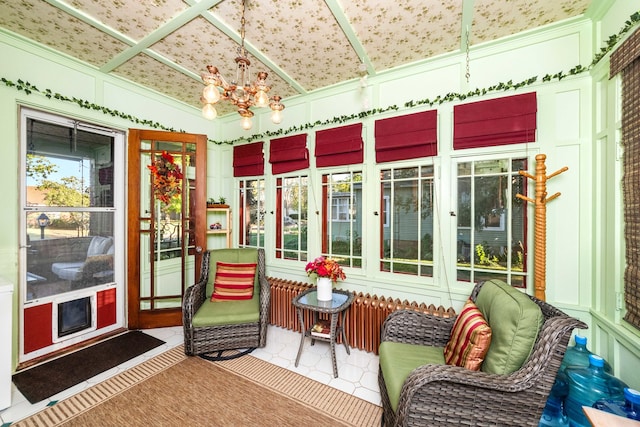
{"points": [[470, 339], [234, 281]]}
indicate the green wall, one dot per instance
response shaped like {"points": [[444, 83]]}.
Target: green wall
{"points": [[577, 127]]}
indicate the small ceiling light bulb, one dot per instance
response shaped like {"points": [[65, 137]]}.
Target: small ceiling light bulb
{"points": [[246, 123], [276, 116], [262, 100], [211, 94], [209, 112]]}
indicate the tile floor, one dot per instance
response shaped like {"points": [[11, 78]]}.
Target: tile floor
{"points": [[358, 372]]}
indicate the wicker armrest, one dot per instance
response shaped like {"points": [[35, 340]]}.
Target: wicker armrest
{"points": [[194, 296], [412, 327], [434, 386], [265, 299], [427, 376]]}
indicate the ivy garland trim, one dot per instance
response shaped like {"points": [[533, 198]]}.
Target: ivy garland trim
{"points": [[28, 89]]}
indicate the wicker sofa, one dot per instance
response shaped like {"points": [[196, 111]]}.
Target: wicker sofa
{"points": [[230, 324], [427, 392]]}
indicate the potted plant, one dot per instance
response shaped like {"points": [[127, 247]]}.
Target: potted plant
{"points": [[221, 202]]}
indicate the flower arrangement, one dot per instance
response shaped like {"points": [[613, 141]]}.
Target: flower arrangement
{"points": [[166, 176], [325, 267]]}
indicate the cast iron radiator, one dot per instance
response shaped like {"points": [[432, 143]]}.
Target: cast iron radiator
{"points": [[363, 320]]}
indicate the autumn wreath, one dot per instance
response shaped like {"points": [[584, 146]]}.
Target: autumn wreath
{"points": [[166, 177]]}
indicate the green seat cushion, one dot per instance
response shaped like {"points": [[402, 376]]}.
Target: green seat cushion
{"points": [[515, 321], [228, 312], [237, 255], [397, 360]]}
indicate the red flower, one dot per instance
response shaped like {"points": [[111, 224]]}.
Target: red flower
{"points": [[325, 267], [168, 157]]}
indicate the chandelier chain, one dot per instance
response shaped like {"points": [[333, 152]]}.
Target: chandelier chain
{"points": [[468, 73], [241, 49]]}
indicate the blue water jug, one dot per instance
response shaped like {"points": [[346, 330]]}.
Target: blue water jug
{"points": [[629, 407], [578, 355], [553, 414], [588, 385]]}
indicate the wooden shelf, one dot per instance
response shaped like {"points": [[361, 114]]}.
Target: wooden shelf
{"points": [[223, 217], [217, 231]]}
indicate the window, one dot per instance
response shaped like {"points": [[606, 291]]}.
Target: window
{"points": [[407, 221], [340, 208], [342, 218], [291, 218], [251, 213], [626, 61], [491, 232], [69, 210]]}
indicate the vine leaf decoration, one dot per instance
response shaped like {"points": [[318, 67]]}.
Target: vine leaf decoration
{"points": [[611, 42]]}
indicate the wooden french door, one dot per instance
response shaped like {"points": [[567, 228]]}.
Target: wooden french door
{"points": [[166, 215]]}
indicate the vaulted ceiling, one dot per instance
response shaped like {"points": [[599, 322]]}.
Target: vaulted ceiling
{"points": [[304, 45]]}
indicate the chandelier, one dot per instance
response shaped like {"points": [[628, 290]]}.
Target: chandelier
{"points": [[241, 92]]}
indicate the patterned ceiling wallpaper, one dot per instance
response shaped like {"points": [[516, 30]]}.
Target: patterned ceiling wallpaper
{"points": [[304, 45]]}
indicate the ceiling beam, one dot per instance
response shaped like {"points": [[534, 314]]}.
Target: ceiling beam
{"points": [[347, 29], [466, 23], [143, 45], [92, 21], [158, 34]]}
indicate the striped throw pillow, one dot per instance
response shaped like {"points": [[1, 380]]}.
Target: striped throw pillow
{"points": [[470, 339], [234, 281]]}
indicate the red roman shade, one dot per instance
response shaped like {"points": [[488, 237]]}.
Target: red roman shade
{"points": [[407, 137], [501, 121], [289, 154], [248, 159], [339, 146]]}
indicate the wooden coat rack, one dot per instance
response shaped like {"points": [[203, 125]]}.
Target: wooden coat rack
{"points": [[540, 222]]}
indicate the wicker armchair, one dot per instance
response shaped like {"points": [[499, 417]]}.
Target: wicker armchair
{"points": [[236, 335], [434, 394]]}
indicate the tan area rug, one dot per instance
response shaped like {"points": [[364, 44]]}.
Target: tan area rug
{"points": [[172, 389]]}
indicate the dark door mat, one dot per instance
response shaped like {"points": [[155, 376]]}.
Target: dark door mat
{"points": [[43, 381]]}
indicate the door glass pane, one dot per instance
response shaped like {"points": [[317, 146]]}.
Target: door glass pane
{"points": [[167, 184], [69, 211], [145, 269]]}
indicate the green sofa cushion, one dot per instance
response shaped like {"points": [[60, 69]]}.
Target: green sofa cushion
{"points": [[515, 321], [228, 312], [397, 360], [237, 255]]}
